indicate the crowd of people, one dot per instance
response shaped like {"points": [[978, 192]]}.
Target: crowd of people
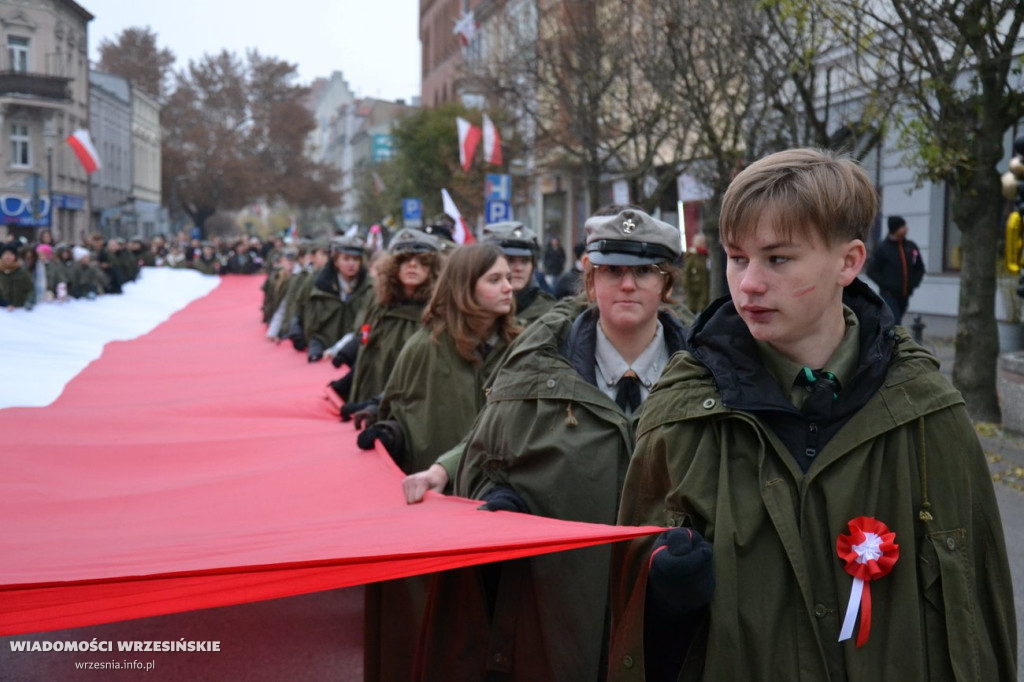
{"points": [[828, 507], [42, 271]]}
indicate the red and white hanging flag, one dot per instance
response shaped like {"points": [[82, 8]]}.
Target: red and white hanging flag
{"points": [[81, 143], [461, 233], [465, 28], [469, 138], [492, 142]]}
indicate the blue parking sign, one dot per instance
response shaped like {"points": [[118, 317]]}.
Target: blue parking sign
{"points": [[412, 212], [497, 211], [497, 187]]}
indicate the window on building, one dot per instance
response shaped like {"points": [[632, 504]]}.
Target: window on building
{"points": [[17, 54], [19, 145]]}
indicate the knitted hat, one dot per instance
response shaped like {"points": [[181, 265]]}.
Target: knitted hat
{"points": [[79, 252], [44, 248], [895, 223]]}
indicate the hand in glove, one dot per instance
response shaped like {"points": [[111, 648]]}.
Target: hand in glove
{"points": [[316, 351], [504, 498], [390, 435], [348, 410], [680, 575]]}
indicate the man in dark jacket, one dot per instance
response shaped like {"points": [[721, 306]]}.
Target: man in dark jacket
{"points": [[896, 267]]}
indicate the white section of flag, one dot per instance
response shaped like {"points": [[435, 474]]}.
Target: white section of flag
{"points": [[492, 142], [42, 349], [81, 143]]}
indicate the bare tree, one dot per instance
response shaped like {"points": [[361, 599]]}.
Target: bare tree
{"points": [[134, 55], [957, 66]]}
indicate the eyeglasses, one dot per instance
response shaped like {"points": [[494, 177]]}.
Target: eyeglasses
{"points": [[644, 276]]}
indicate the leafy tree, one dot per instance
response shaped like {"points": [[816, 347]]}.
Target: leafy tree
{"points": [[426, 144], [957, 66], [134, 55], [235, 131]]}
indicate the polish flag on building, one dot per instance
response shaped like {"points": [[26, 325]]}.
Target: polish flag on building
{"points": [[461, 233], [81, 143], [469, 138], [465, 28], [492, 142]]}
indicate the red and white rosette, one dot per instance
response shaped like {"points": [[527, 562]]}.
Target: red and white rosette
{"points": [[869, 552]]}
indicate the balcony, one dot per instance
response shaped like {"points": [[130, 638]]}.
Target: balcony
{"points": [[33, 85]]}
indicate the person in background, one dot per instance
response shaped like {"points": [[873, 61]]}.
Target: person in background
{"points": [[406, 277], [896, 267], [16, 289], [430, 401], [696, 275], [570, 282], [554, 260], [299, 288], [340, 294], [85, 279], [799, 444], [555, 439], [520, 246]]}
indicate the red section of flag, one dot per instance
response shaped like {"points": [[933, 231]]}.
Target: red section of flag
{"points": [[469, 138], [81, 144], [492, 142], [199, 482]]}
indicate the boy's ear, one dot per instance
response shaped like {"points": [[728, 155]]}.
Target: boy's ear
{"points": [[854, 255]]}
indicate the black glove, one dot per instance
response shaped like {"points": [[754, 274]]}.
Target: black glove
{"points": [[316, 351], [504, 498], [295, 334], [349, 409], [347, 354], [343, 387], [680, 578], [390, 435]]}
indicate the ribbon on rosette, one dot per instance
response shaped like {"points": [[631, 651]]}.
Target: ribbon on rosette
{"points": [[870, 552]]}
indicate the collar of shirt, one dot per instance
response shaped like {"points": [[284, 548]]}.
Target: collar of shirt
{"points": [[842, 364], [611, 366]]}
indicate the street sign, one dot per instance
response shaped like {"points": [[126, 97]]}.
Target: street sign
{"points": [[497, 187], [497, 211], [412, 212]]}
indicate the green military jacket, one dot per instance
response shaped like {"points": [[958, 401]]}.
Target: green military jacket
{"points": [[16, 287], [908, 458], [564, 447], [435, 395], [384, 332], [296, 291], [325, 317], [539, 302], [85, 279]]}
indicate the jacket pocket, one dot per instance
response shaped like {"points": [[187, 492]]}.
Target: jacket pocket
{"points": [[950, 629]]}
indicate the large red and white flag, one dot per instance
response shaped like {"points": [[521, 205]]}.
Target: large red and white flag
{"points": [[81, 143], [469, 138], [492, 142], [118, 512], [461, 234]]}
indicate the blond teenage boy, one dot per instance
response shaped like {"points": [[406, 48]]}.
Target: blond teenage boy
{"points": [[833, 513]]}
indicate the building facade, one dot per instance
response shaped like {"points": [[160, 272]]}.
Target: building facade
{"points": [[44, 97]]}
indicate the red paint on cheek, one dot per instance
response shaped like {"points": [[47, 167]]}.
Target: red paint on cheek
{"points": [[804, 292]]}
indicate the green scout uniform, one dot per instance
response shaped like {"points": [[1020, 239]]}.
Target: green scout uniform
{"points": [[384, 331], [296, 291], [325, 316], [563, 445], [435, 395], [712, 454], [16, 287]]}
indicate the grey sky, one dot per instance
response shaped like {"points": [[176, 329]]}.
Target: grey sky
{"points": [[374, 43]]}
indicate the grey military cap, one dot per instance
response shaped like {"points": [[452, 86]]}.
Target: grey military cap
{"points": [[411, 240], [631, 237], [351, 245], [514, 238]]}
